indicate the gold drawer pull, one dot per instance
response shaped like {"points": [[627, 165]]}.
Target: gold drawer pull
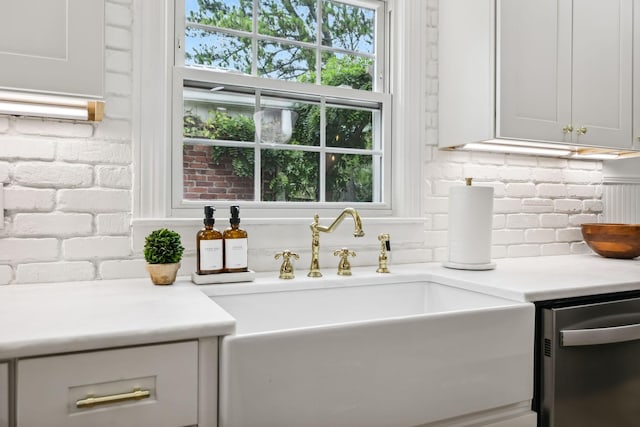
{"points": [[91, 401]]}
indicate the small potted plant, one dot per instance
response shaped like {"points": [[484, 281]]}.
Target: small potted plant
{"points": [[163, 252]]}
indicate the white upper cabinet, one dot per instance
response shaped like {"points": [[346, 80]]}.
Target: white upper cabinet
{"points": [[52, 46], [559, 71], [565, 71]]}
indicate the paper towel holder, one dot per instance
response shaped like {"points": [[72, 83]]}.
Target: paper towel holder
{"points": [[462, 263]]}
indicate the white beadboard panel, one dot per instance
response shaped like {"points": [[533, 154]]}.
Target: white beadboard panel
{"points": [[621, 203]]}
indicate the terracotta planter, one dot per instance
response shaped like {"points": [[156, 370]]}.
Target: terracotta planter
{"points": [[163, 274]]}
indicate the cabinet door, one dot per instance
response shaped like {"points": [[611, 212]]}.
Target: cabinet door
{"points": [[602, 72], [4, 395], [52, 46], [534, 69]]}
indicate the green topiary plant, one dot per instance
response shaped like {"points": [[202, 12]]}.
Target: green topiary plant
{"points": [[163, 247]]}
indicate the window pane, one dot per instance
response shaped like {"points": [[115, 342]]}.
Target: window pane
{"points": [[218, 115], [349, 178], [217, 50], [348, 27], [285, 62], [233, 14], [349, 128], [289, 175], [292, 19], [343, 70], [304, 119], [217, 173]]}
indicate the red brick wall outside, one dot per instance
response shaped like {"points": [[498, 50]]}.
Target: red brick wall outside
{"points": [[205, 180]]}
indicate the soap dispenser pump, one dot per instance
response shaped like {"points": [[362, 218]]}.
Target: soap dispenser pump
{"points": [[209, 246], [235, 244]]}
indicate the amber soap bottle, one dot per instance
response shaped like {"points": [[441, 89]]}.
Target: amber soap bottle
{"points": [[235, 244], [209, 246]]}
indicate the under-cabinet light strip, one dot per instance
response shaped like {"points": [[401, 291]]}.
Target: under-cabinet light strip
{"points": [[50, 106]]}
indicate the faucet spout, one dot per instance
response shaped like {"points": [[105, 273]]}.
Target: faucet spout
{"points": [[316, 228]]}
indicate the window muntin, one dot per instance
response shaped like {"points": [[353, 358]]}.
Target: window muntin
{"points": [[335, 152]]}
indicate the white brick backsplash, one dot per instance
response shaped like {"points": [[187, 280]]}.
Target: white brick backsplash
{"points": [[440, 222], [29, 199], [118, 84], [114, 129], [556, 249], [481, 172], [547, 175], [552, 190], [569, 235], [435, 239], [593, 206], [507, 237], [4, 124], [581, 191], [14, 250], [55, 272], [436, 204], [522, 221], [44, 127], [523, 251], [521, 190], [567, 205], [26, 148], [118, 15], [123, 269], [118, 61], [6, 274], [96, 247], [4, 172], [118, 38], [94, 200], [57, 224], [487, 158], [507, 205], [553, 220], [580, 176], [94, 152], [53, 174], [537, 205], [113, 176], [117, 107], [515, 174], [115, 223], [584, 164], [550, 162], [539, 235], [499, 221], [577, 220]]}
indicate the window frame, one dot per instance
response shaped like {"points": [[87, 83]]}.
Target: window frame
{"points": [[153, 59], [379, 95]]}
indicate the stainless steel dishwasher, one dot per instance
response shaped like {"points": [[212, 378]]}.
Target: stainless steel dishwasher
{"points": [[588, 362]]}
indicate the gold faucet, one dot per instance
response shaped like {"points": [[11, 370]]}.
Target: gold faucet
{"points": [[316, 228]]}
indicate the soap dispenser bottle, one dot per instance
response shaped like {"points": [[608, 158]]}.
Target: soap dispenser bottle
{"points": [[209, 246], [235, 244]]}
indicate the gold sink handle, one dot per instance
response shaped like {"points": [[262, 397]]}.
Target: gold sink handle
{"points": [[286, 269], [344, 266]]}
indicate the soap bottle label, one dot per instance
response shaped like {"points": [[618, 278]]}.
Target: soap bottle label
{"points": [[235, 254], [211, 254]]}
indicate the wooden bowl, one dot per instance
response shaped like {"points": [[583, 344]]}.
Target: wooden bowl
{"points": [[613, 240]]}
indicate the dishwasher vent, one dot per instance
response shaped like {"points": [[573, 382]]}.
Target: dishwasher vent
{"points": [[547, 347]]}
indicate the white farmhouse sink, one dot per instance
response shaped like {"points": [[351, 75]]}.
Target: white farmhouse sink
{"points": [[402, 354]]}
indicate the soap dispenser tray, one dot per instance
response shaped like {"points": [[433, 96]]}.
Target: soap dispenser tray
{"points": [[219, 278]]}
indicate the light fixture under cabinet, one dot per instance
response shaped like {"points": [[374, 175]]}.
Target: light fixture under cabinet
{"points": [[50, 106], [535, 148]]}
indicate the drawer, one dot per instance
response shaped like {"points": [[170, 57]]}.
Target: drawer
{"points": [[154, 385], [4, 394]]}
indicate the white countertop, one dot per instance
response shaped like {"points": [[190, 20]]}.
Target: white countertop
{"points": [[544, 278], [64, 317]]}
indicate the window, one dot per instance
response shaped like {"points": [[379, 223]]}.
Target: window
{"points": [[280, 101]]}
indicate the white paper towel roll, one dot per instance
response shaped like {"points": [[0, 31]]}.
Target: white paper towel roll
{"points": [[470, 225]]}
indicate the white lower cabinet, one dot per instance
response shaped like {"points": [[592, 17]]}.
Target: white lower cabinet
{"points": [[154, 385], [4, 394]]}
